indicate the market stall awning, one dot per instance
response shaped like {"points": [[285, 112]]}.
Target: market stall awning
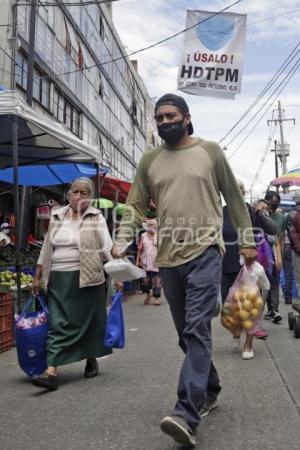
{"points": [[110, 186], [50, 174], [40, 140], [291, 178], [104, 203]]}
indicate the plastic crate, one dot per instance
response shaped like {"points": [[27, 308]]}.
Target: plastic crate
{"points": [[6, 303], [6, 321], [6, 340]]}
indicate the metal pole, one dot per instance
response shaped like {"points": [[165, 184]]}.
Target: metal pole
{"points": [[17, 207], [276, 165], [276, 160], [283, 155], [97, 187], [29, 87]]}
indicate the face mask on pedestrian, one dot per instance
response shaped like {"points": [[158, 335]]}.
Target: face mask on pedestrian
{"points": [[172, 133], [152, 228], [274, 206], [5, 231]]}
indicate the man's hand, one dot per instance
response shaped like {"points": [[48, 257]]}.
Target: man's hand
{"points": [[119, 286], [118, 251], [249, 254]]}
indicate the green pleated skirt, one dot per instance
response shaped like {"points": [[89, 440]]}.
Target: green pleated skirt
{"points": [[77, 320]]}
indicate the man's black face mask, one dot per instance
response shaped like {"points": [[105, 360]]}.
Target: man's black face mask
{"points": [[171, 133]]}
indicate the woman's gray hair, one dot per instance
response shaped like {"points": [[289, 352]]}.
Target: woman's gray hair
{"points": [[87, 181]]}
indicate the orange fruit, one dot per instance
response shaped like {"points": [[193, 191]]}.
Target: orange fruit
{"points": [[258, 304], [247, 305], [247, 324], [244, 315], [254, 312], [252, 295]]}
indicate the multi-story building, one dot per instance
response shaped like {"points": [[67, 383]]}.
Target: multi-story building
{"points": [[81, 76]]}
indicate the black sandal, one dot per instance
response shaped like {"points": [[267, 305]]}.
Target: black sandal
{"points": [[47, 381], [91, 368]]}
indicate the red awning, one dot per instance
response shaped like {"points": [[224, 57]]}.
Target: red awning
{"points": [[110, 187]]}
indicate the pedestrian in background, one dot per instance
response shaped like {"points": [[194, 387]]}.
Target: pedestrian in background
{"points": [[4, 239], [185, 178], [277, 243], [287, 265], [146, 256], [71, 268], [231, 261], [293, 229]]}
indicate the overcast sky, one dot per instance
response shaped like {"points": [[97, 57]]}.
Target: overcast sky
{"points": [[273, 31]]}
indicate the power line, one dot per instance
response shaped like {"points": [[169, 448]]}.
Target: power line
{"points": [[277, 74], [155, 44], [248, 25], [264, 104], [286, 80], [140, 50], [263, 159], [87, 3]]}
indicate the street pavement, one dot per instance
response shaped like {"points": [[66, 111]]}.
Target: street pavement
{"points": [[122, 408]]}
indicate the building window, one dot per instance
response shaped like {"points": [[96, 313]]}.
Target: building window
{"points": [[46, 89], [36, 90], [65, 112], [41, 84], [133, 111], [101, 27], [61, 109], [21, 70], [75, 127], [68, 115]]}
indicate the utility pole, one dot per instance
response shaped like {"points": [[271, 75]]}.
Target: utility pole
{"points": [[276, 163], [26, 191], [29, 87], [282, 150]]}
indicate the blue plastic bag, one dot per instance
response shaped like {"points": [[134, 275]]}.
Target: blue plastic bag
{"points": [[115, 330], [31, 331]]}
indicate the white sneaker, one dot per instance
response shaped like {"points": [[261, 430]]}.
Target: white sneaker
{"points": [[248, 355]]}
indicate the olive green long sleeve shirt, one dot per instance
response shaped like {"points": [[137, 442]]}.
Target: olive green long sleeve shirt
{"points": [[185, 184]]}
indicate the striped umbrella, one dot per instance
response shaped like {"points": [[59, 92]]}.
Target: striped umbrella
{"points": [[291, 178]]}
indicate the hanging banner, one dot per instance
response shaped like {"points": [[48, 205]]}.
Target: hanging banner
{"points": [[213, 54]]}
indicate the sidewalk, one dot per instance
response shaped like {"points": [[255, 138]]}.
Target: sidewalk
{"points": [[122, 408]]}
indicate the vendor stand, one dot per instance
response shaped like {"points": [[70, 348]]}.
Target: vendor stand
{"points": [[30, 140]]}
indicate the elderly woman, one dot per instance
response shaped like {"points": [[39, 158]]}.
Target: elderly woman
{"points": [[71, 268]]}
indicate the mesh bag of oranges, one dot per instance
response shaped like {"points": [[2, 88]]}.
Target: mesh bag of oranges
{"points": [[243, 307]]}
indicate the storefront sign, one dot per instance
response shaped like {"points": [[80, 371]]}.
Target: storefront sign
{"points": [[43, 212]]}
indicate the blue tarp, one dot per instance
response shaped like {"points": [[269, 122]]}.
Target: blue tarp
{"points": [[50, 174]]}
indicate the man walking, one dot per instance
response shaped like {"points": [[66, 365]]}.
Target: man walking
{"points": [[185, 177], [293, 229], [277, 244]]}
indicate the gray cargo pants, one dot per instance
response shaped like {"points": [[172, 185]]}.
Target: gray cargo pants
{"points": [[192, 290]]}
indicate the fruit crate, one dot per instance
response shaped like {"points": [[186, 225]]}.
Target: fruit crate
{"points": [[6, 321]]}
